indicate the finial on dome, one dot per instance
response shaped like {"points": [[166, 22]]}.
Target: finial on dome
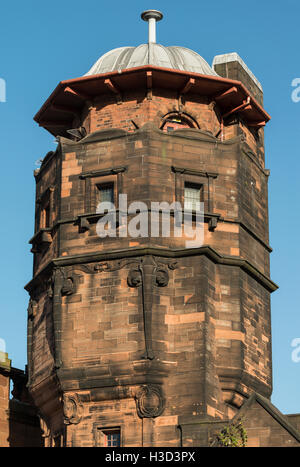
{"points": [[152, 16]]}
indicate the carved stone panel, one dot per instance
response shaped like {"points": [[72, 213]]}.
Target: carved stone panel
{"points": [[72, 408], [149, 401]]}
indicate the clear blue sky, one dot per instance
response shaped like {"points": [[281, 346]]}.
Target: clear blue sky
{"points": [[43, 43]]}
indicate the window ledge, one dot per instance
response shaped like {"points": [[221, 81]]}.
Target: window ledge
{"points": [[41, 239], [84, 221]]}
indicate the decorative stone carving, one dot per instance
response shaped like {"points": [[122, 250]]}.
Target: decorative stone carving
{"points": [[100, 267], [149, 401], [50, 286], [213, 222], [147, 273], [68, 287], [32, 308], [134, 278], [44, 429], [64, 280], [162, 277], [72, 408]]}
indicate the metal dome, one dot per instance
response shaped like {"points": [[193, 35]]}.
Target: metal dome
{"points": [[177, 58]]}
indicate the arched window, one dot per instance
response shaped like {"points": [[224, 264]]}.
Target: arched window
{"points": [[176, 121]]}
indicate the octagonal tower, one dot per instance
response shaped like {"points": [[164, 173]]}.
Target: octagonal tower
{"points": [[142, 340]]}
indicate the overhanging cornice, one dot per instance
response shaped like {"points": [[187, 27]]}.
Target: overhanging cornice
{"points": [[206, 250], [73, 94]]}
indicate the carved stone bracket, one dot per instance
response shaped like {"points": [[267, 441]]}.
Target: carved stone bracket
{"points": [[212, 220], [32, 308], [72, 409], [67, 282], [161, 277], [147, 274], [135, 277], [68, 286], [45, 429], [150, 402], [41, 240], [50, 286]]}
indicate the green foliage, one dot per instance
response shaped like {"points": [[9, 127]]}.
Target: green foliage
{"points": [[233, 435]]}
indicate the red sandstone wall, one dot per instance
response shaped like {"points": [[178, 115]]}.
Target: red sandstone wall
{"points": [[4, 406], [210, 331]]}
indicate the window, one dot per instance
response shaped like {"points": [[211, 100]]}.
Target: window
{"points": [[170, 128], [175, 124], [46, 216], [46, 209], [192, 186], [110, 437], [102, 186], [106, 193], [176, 121], [192, 195]]}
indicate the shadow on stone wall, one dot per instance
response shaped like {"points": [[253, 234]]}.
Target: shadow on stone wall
{"points": [[24, 424]]}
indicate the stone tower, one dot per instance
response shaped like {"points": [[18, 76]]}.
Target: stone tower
{"points": [[141, 340]]}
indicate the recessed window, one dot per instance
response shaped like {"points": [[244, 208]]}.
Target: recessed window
{"points": [[175, 124], [106, 193], [46, 216], [177, 121], [170, 128], [45, 212], [192, 195], [111, 437]]}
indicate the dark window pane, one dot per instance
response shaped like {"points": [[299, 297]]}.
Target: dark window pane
{"points": [[112, 438], [106, 193], [175, 124], [47, 216]]}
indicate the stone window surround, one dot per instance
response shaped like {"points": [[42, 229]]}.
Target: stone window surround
{"points": [[206, 179], [43, 201], [43, 235], [92, 180], [100, 433]]}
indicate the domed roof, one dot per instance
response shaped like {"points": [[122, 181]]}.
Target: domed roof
{"points": [[177, 58]]}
